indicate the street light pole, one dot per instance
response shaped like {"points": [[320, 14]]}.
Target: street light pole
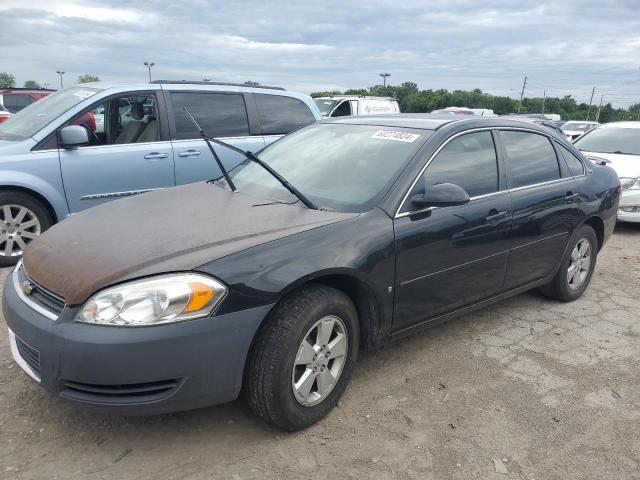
{"points": [[60, 72], [384, 79], [149, 65], [524, 85]]}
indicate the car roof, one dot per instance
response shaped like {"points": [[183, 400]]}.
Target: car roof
{"points": [[433, 121], [621, 125]]}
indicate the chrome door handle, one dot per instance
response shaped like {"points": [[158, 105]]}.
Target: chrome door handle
{"points": [[155, 156], [189, 153]]}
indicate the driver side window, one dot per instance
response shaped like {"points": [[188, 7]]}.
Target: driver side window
{"points": [[130, 118], [468, 161]]}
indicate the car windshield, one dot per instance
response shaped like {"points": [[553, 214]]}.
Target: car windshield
{"points": [[30, 120], [341, 167], [611, 140], [577, 126], [325, 106]]}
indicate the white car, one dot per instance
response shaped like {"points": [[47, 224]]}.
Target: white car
{"points": [[574, 129], [619, 143], [345, 105]]}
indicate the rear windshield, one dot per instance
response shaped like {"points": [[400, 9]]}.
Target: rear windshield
{"points": [[30, 120], [611, 140]]}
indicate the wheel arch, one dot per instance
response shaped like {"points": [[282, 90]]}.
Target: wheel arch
{"points": [[362, 294], [597, 224], [37, 195]]}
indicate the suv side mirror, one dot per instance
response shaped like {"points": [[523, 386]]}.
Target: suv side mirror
{"points": [[441, 195], [74, 136]]}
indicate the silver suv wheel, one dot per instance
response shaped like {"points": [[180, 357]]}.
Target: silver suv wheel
{"points": [[18, 226]]}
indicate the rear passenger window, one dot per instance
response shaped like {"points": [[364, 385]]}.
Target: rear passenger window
{"points": [[219, 114], [576, 168], [468, 161], [280, 115], [531, 157]]}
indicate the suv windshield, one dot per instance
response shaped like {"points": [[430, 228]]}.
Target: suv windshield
{"points": [[341, 167], [325, 106], [30, 120], [611, 140]]}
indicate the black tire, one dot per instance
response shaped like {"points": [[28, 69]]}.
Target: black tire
{"points": [[20, 199], [268, 375], [559, 288]]}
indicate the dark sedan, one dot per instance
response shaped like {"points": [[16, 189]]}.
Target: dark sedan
{"points": [[183, 297]]}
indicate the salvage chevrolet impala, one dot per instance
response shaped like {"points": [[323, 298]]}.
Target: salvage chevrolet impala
{"points": [[341, 236]]}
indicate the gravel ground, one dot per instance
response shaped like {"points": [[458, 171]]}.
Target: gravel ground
{"points": [[529, 387]]}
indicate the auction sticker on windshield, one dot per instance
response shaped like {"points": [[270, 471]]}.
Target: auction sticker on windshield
{"points": [[84, 93], [396, 136]]}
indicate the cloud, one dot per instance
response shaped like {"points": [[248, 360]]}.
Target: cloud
{"points": [[563, 47]]}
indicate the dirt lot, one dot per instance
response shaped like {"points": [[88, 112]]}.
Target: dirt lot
{"points": [[548, 390]]}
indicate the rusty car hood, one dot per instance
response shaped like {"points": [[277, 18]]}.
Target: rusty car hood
{"points": [[163, 231]]}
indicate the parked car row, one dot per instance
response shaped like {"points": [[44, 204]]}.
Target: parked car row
{"points": [[91, 143], [15, 99], [619, 144]]}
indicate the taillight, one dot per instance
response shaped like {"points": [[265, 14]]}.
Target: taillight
{"points": [[3, 117]]}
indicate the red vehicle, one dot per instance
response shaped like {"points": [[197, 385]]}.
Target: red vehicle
{"points": [[15, 99], [4, 114]]}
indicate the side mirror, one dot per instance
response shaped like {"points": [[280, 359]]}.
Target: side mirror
{"points": [[441, 195], [74, 136]]}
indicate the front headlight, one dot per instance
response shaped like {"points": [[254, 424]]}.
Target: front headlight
{"points": [[630, 183], [155, 300]]}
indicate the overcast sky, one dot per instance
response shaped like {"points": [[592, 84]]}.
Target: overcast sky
{"points": [[563, 46]]}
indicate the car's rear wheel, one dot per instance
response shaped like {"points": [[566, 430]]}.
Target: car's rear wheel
{"points": [[22, 218], [303, 356], [577, 267]]}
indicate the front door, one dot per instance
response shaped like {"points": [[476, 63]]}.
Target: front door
{"points": [[126, 156], [221, 115], [451, 257]]}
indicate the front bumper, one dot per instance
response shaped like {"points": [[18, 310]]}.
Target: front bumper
{"points": [[132, 370], [629, 208]]}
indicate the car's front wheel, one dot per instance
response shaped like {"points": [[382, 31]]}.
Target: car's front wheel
{"points": [[303, 356], [22, 218], [577, 267]]}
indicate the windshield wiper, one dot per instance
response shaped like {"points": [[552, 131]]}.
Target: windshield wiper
{"points": [[249, 156]]}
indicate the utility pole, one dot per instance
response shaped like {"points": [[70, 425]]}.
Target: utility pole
{"points": [[544, 97], [599, 107], [60, 72], [384, 79], [522, 93], [590, 102], [149, 65]]}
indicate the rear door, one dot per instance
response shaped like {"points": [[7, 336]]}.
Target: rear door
{"points": [[280, 114], [543, 198], [451, 257], [221, 114]]}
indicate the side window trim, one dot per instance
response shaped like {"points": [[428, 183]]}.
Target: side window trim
{"points": [[501, 186], [559, 152], [159, 104]]}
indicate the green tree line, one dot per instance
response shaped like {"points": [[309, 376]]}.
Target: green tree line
{"points": [[414, 100]]}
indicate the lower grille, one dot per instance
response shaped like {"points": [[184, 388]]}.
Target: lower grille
{"points": [[119, 394], [29, 354]]}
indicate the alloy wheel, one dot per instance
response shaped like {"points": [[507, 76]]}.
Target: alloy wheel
{"points": [[579, 264], [18, 227], [319, 361]]}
